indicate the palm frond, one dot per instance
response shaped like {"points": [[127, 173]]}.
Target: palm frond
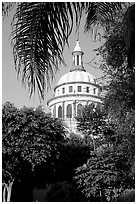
{"points": [[7, 7], [100, 12], [40, 31]]}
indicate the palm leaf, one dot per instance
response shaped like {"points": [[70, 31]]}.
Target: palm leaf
{"points": [[101, 12], [40, 31], [7, 7]]}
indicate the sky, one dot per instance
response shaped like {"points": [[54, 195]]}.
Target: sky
{"points": [[12, 88]]}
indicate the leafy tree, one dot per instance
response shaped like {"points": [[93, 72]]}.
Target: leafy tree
{"points": [[119, 55], [73, 153], [27, 135], [117, 62], [10, 160], [120, 97], [38, 44], [103, 175], [92, 122]]}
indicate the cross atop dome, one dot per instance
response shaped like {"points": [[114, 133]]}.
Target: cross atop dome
{"points": [[77, 58]]}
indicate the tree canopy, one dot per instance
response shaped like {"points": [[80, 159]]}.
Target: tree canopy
{"points": [[104, 172], [28, 135]]}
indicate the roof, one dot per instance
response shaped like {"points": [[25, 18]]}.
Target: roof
{"points": [[76, 76]]}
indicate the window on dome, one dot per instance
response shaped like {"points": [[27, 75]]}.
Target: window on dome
{"points": [[59, 112], [94, 90], [69, 111], [77, 59], [79, 109], [63, 90], [87, 89], [70, 88], [79, 88], [99, 91]]}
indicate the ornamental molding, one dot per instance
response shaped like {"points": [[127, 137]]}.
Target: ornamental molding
{"points": [[77, 82], [74, 97]]}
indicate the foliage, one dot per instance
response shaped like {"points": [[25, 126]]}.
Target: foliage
{"points": [[103, 175], [10, 158], [120, 39], [97, 126], [38, 44], [101, 13], [62, 192], [91, 120], [32, 133], [7, 7], [129, 35], [73, 153], [120, 97], [127, 196], [112, 170], [29, 136]]}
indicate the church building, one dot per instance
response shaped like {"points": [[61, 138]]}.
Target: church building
{"points": [[74, 90]]}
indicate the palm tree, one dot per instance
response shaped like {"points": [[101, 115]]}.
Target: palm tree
{"points": [[40, 30]]}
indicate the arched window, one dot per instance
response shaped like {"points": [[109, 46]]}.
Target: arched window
{"points": [[69, 111], [59, 112], [79, 109]]}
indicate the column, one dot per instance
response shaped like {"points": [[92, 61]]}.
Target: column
{"points": [[74, 109], [63, 109], [54, 111]]}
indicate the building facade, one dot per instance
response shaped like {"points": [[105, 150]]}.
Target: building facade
{"points": [[74, 90]]}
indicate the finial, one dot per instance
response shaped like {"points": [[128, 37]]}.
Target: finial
{"points": [[77, 47]]}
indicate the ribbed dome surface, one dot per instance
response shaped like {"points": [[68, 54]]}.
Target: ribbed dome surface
{"points": [[76, 76]]}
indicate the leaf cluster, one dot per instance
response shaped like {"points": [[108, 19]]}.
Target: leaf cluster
{"points": [[91, 120], [30, 135], [103, 173]]}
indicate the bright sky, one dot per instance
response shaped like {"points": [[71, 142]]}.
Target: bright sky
{"points": [[12, 89]]}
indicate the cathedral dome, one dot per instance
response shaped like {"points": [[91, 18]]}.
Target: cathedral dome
{"points": [[75, 89], [76, 76]]}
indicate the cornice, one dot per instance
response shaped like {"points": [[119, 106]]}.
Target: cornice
{"points": [[76, 82], [74, 95]]}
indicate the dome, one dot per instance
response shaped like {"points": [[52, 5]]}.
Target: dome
{"points": [[74, 90], [76, 76]]}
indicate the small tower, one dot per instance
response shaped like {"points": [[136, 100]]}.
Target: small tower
{"points": [[77, 58]]}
